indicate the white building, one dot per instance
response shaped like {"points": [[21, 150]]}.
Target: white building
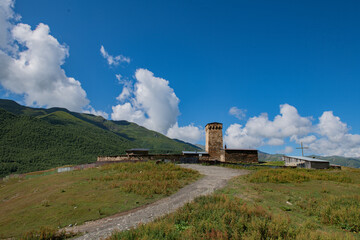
{"points": [[305, 162]]}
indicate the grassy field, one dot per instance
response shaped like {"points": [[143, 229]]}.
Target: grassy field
{"points": [[59, 199], [268, 204]]}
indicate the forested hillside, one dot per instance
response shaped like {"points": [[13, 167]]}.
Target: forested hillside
{"points": [[34, 139]]}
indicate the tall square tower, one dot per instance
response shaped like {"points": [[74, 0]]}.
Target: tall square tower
{"points": [[214, 140]]}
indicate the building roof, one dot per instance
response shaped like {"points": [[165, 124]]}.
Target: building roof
{"points": [[194, 152], [307, 159]]}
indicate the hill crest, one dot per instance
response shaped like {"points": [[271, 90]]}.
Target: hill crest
{"points": [[35, 139]]}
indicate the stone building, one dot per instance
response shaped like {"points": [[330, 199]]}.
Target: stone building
{"points": [[214, 146], [214, 151], [305, 162], [214, 140], [241, 155]]}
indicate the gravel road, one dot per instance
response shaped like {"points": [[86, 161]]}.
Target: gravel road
{"points": [[214, 178]]}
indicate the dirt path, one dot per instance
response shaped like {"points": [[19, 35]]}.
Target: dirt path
{"points": [[214, 178]]}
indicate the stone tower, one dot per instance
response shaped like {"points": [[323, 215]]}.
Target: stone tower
{"points": [[214, 140]]}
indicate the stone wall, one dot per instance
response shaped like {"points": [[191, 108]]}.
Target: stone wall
{"points": [[169, 157], [319, 165], [231, 156], [241, 156], [113, 158]]}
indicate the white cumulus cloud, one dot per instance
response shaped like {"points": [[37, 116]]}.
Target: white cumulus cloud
{"points": [[127, 88], [127, 112], [237, 136], [36, 71], [306, 140], [153, 104], [126, 92], [260, 130], [335, 138], [287, 124], [287, 150], [331, 127], [111, 59], [275, 141], [91, 110], [188, 133], [330, 136], [238, 113]]}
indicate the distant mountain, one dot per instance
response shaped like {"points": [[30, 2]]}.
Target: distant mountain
{"points": [[34, 139], [343, 161], [267, 157], [202, 147]]}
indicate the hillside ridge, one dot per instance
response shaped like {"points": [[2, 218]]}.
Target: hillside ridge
{"points": [[35, 139]]}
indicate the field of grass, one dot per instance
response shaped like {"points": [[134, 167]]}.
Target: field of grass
{"points": [[268, 204], [274, 163], [59, 199]]}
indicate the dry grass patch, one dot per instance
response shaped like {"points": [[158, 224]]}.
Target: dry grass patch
{"points": [[223, 217], [61, 199]]}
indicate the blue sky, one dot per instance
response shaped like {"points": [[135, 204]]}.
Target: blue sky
{"points": [[215, 55]]}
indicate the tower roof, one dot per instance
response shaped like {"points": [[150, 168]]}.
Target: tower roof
{"points": [[213, 123]]}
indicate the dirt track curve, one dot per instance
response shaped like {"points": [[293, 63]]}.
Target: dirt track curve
{"points": [[214, 178]]}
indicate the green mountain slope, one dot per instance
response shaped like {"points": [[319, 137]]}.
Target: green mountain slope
{"points": [[266, 157], [34, 139]]}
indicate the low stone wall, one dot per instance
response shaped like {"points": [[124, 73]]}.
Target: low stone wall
{"points": [[127, 158], [204, 158], [319, 165], [241, 156], [112, 158]]}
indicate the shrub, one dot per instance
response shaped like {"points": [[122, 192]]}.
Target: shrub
{"points": [[47, 233]]}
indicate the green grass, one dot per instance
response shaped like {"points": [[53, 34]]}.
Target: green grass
{"points": [[340, 211], [302, 175], [34, 139], [268, 204], [60, 199], [215, 217], [274, 163]]}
